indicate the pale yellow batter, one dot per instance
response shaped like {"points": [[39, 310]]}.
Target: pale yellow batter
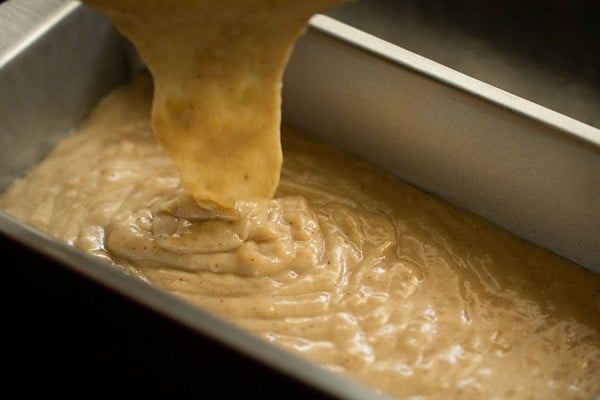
{"points": [[217, 67], [327, 257], [346, 265]]}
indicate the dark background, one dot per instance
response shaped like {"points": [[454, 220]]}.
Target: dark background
{"points": [[545, 51]]}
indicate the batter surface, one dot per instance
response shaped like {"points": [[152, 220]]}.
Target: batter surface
{"points": [[346, 265]]}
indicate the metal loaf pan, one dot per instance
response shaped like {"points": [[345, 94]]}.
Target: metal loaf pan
{"points": [[529, 170]]}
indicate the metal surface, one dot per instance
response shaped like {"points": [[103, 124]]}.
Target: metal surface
{"points": [[51, 73], [528, 169]]}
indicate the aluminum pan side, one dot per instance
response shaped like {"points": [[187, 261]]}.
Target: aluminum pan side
{"points": [[527, 169]]}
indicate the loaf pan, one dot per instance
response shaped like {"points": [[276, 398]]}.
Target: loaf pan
{"points": [[527, 169]]}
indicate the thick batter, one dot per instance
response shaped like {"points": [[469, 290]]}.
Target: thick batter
{"points": [[217, 67], [346, 265]]}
